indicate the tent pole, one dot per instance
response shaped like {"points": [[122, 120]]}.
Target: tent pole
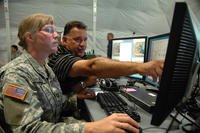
{"points": [[94, 22], [7, 21]]}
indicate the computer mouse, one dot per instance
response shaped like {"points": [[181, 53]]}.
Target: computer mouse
{"points": [[140, 130]]}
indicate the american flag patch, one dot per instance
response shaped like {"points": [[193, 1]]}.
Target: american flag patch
{"points": [[15, 91]]}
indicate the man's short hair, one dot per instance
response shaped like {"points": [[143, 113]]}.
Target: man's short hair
{"points": [[72, 24], [110, 34], [15, 47]]}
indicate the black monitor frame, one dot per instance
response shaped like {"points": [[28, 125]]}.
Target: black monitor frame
{"points": [[128, 38], [148, 54], [180, 57]]}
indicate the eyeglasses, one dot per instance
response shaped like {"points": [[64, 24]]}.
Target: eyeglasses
{"points": [[49, 29], [78, 39]]}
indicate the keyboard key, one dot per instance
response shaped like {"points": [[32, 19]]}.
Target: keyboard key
{"points": [[113, 103]]}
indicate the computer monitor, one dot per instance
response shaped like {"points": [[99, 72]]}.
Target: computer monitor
{"points": [[180, 61], [129, 49], [156, 50]]}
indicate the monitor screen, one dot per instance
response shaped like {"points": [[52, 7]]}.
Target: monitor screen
{"points": [[129, 49], [156, 50], [180, 59]]}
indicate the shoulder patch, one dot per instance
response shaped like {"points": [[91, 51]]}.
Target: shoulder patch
{"points": [[15, 92]]}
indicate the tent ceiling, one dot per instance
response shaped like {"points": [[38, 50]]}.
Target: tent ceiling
{"points": [[122, 17], [118, 15], [140, 16]]}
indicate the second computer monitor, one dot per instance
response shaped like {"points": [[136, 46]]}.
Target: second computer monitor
{"points": [[156, 50], [129, 49]]}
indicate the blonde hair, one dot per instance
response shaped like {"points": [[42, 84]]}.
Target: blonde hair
{"points": [[32, 24]]}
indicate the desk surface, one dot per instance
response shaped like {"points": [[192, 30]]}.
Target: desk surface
{"points": [[96, 113]]}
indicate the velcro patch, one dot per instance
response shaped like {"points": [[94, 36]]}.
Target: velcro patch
{"points": [[15, 91]]}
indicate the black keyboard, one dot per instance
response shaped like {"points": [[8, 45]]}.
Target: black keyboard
{"points": [[113, 103]]}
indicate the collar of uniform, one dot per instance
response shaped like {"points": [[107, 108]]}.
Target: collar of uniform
{"points": [[50, 72], [36, 66]]}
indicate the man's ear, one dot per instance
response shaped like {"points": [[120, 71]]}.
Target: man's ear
{"points": [[64, 39]]}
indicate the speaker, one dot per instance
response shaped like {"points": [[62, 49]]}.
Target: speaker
{"points": [[108, 85]]}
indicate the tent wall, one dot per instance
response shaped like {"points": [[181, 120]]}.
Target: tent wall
{"points": [[121, 17]]}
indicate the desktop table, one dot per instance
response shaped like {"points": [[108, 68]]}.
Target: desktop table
{"points": [[95, 112]]}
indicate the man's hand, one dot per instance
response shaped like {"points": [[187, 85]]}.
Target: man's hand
{"points": [[91, 81], [152, 68], [86, 94]]}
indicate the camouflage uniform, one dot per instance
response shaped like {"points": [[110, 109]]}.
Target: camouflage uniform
{"points": [[40, 110]]}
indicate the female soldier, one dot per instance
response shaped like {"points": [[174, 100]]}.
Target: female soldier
{"points": [[31, 95]]}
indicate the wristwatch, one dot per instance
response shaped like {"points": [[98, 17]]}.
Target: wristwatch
{"points": [[83, 84]]}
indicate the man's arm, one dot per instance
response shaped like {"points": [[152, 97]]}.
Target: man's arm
{"points": [[84, 93], [104, 67]]}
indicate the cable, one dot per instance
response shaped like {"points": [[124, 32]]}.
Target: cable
{"points": [[196, 90], [189, 125], [189, 120], [172, 121]]}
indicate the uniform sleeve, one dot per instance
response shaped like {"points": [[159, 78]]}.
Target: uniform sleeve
{"points": [[26, 115]]}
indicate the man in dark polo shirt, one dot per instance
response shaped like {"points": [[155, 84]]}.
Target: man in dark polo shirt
{"points": [[73, 71], [68, 53]]}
